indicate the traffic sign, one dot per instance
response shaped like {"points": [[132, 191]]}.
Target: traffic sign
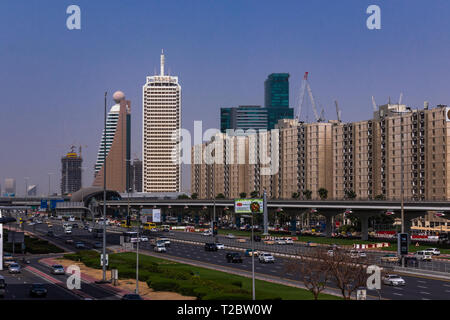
{"points": [[402, 243], [101, 260]]}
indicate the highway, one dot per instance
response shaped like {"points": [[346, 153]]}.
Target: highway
{"points": [[416, 288]]}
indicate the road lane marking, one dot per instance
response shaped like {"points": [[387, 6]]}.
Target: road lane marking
{"points": [[398, 294], [422, 292], [421, 281], [422, 287]]}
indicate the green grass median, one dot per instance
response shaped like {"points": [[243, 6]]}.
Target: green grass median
{"points": [[203, 283]]}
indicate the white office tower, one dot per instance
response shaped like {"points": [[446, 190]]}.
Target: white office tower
{"points": [[161, 133]]}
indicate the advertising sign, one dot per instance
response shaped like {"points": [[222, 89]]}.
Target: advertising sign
{"points": [[248, 206], [44, 204], [156, 215]]}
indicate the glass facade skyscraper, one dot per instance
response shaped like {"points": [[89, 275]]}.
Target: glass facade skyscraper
{"points": [[276, 98], [243, 117]]}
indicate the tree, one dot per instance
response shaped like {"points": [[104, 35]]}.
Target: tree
{"points": [[295, 195], [220, 196], [194, 196], [380, 197], [348, 273], [243, 195], [183, 196], [350, 194], [254, 194], [312, 270], [323, 193], [307, 194]]}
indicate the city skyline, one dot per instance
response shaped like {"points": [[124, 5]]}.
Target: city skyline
{"points": [[346, 62]]}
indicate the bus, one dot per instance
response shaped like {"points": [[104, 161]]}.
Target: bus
{"points": [[149, 225]]}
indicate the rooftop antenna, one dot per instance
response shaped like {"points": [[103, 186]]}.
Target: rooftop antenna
{"points": [[374, 104], [400, 99], [162, 62], [338, 112]]}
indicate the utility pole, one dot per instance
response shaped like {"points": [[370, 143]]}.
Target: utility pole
{"points": [[104, 194], [214, 201], [137, 249], [253, 262], [402, 191], [266, 216]]}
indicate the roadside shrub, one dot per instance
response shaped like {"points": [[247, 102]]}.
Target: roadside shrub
{"points": [[187, 290], [165, 285], [176, 274]]}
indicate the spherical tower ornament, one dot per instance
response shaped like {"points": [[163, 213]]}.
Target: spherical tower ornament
{"points": [[118, 96]]}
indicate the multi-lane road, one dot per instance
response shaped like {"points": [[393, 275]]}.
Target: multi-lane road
{"points": [[189, 246]]}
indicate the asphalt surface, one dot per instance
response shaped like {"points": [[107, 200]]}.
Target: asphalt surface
{"points": [[416, 288]]}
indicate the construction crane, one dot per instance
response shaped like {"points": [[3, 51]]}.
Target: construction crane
{"points": [[338, 112], [306, 86]]}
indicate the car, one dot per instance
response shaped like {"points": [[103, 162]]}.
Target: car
{"points": [[143, 239], [31, 223], [75, 226], [310, 244], [280, 241], [210, 247], [166, 241], [207, 233], [393, 280], [69, 241], [231, 236], [330, 253], [68, 231], [220, 246], [7, 257], [131, 296], [14, 268], [50, 233], [266, 258], [58, 269], [38, 290], [423, 256], [233, 257], [289, 241], [357, 254], [80, 245], [433, 251], [248, 253], [160, 248], [98, 245], [389, 258], [49, 225], [86, 227]]}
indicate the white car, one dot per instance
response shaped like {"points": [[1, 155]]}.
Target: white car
{"points": [[166, 241], [14, 268], [280, 241], [231, 236], [433, 251], [207, 233], [68, 231], [289, 241], [393, 280], [423, 256], [220, 246], [143, 239], [266, 258], [160, 248], [357, 254]]}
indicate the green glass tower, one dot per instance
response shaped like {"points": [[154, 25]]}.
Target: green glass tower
{"points": [[276, 98]]}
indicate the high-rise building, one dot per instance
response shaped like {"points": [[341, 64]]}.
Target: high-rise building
{"points": [[401, 152], [118, 147], [276, 99], [10, 186], [243, 117], [161, 133], [136, 175], [32, 190], [71, 175]]}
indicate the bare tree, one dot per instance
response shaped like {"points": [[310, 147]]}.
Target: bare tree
{"points": [[313, 270], [348, 273]]}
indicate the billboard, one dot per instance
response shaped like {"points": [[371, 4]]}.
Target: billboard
{"points": [[248, 206], [156, 215], [151, 215], [44, 204]]}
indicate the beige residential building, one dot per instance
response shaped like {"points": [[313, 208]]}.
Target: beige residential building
{"points": [[400, 152]]}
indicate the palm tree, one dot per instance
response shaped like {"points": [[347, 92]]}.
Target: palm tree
{"points": [[323, 193], [295, 195], [194, 196], [220, 196], [307, 194], [380, 197], [243, 195], [183, 196], [254, 194], [350, 194]]}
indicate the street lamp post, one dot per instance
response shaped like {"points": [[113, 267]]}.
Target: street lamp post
{"points": [[104, 194]]}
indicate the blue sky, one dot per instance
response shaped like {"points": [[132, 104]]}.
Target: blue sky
{"points": [[53, 79]]}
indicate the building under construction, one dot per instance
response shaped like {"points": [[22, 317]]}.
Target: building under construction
{"points": [[71, 175]]}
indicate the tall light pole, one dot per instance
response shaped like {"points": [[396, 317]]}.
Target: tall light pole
{"points": [[214, 201], [104, 194]]}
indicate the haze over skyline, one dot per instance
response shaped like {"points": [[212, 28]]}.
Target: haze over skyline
{"points": [[53, 79]]}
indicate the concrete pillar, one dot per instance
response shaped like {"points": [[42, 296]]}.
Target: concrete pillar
{"points": [[328, 226], [364, 227]]}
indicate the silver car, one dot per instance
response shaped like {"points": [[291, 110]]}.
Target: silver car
{"points": [[14, 268], [160, 248], [58, 269], [393, 280]]}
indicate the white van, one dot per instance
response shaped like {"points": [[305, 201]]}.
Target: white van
{"points": [[423, 256]]}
